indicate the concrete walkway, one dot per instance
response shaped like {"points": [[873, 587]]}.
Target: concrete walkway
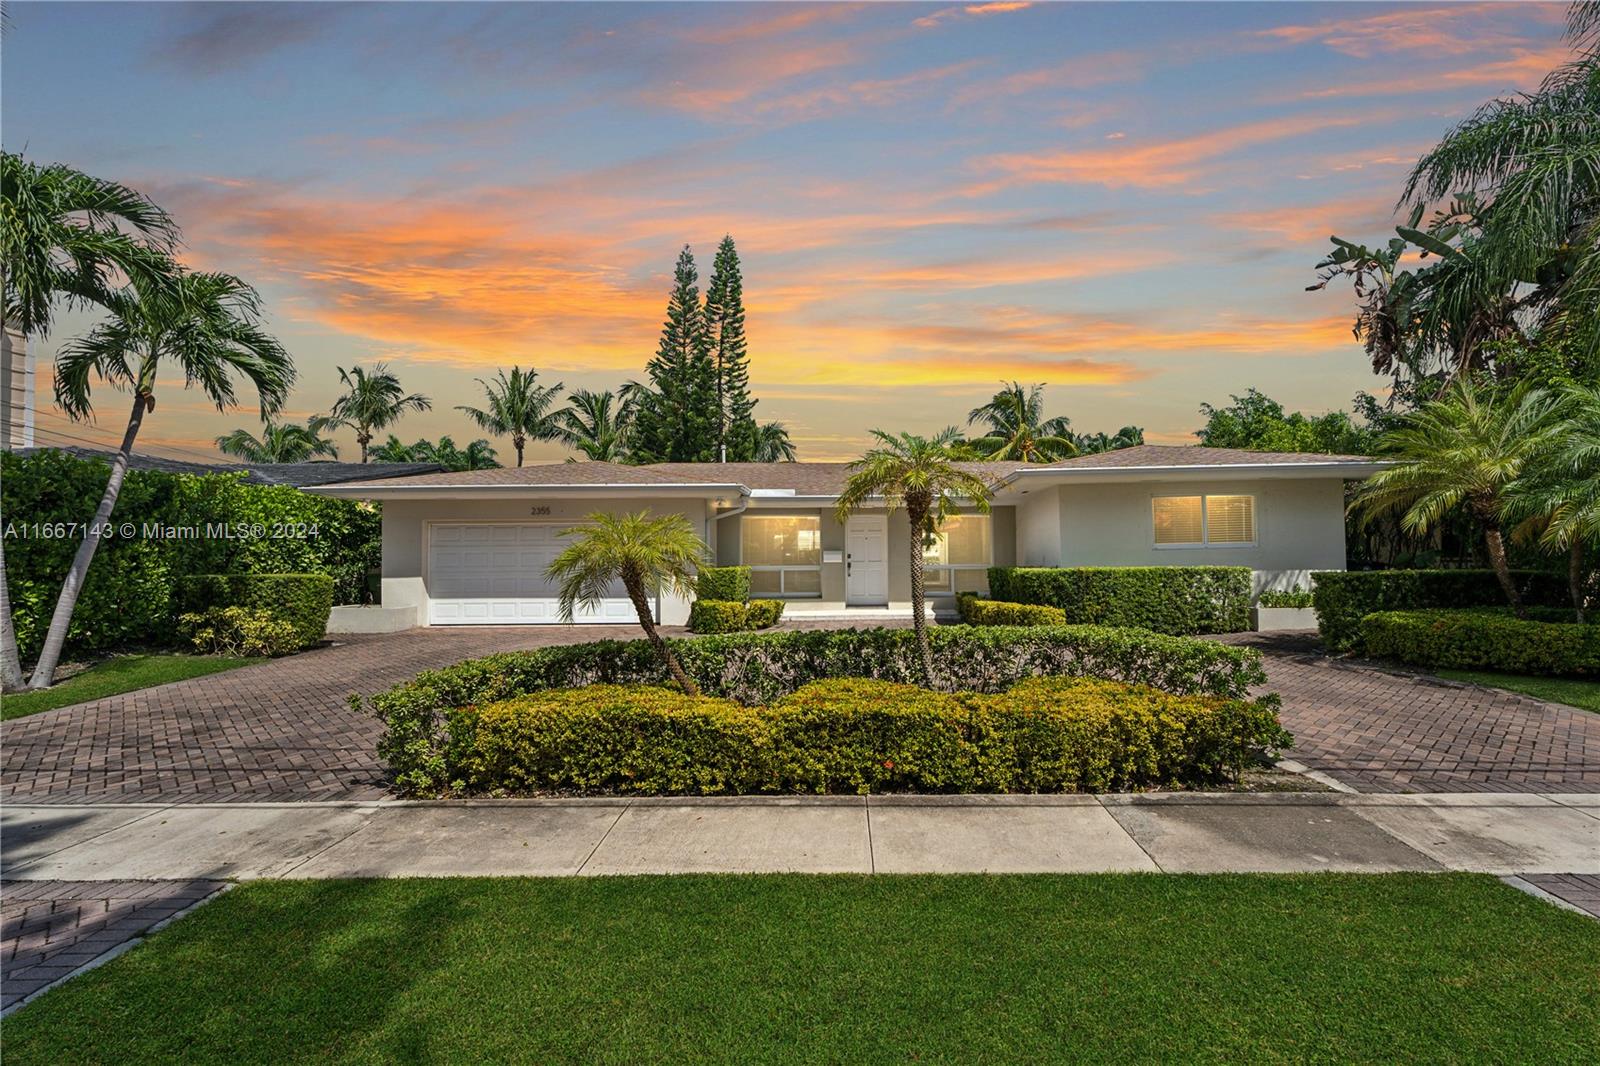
{"points": [[1514, 833]]}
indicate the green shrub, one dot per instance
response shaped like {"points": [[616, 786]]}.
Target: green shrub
{"points": [[727, 583], [1295, 597], [128, 597], [854, 735], [1165, 599], [980, 612], [247, 631], [1343, 598], [302, 600], [760, 668], [722, 616], [1482, 640]]}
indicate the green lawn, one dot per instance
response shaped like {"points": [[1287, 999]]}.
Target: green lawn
{"points": [[1569, 690], [125, 673], [791, 969]]}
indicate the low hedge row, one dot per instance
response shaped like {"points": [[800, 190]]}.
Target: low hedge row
{"points": [[1482, 640], [760, 668], [1343, 598], [302, 600], [732, 616], [730, 584], [980, 612], [1165, 599], [856, 736]]}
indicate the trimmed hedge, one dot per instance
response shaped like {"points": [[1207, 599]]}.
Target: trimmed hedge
{"points": [[302, 600], [722, 616], [1482, 640], [1296, 597], [980, 612], [1343, 598], [855, 735], [730, 584], [1166, 599], [247, 631], [760, 668]]}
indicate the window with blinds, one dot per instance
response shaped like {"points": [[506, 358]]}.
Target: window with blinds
{"points": [[1193, 521]]}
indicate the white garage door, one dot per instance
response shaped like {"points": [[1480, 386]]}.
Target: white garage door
{"points": [[493, 574]]}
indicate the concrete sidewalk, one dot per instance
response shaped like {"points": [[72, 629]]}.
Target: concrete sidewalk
{"points": [[1176, 832]]}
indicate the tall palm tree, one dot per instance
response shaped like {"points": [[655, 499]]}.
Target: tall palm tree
{"points": [[518, 407], [1018, 430], [773, 444], [919, 474], [479, 455], [280, 442], [210, 326], [372, 401], [66, 235], [1092, 443], [1464, 449], [597, 424], [1558, 502], [643, 553]]}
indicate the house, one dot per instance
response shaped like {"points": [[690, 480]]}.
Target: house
{"points": [[471, 548]]}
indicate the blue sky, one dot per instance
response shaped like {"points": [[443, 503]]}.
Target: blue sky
{"points": [[1124, 201]]}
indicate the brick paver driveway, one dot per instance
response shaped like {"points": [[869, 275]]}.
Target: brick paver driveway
{"points": [[283, 731]]}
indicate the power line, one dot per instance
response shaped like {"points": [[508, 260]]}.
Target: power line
{"points": [[154, 448]]}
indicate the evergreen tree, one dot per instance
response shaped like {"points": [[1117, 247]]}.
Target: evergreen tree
{"points": [[737, 434], [679, 423]]}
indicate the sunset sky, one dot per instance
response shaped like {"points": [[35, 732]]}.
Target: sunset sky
{"points": [[1124, 201]]}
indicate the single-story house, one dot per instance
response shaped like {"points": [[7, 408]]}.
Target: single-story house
{"points": [[471, 548]]}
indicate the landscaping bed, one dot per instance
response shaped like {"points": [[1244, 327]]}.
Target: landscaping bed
{"points": [[779, 969], [1483, 639]]}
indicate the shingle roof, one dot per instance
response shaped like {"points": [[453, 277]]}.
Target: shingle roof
{"points": [[543, 474], [1164, 455], [297, 475], [806, 479]]}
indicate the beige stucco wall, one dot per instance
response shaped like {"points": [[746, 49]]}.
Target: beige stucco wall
{"points": [[1038, 523], [405, 536], [1299, 527]]}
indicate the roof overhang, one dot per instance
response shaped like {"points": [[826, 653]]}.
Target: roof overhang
{"points": [[435, 491], [1044, 477]]}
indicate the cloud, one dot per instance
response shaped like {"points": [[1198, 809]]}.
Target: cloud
{"points": [[871, 92], [1313, 223], [1524, 69], [217, 38], [1081, 72], [1151, 164], [1457, 29], [937, 18]]}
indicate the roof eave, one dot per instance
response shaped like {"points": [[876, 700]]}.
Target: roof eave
{"points": [[369, 491], [1342, 469]]}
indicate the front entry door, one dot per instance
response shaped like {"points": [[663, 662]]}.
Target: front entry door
{"points": [[866, 560]]}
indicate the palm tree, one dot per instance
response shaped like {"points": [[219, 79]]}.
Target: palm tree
{"points": [[1558, 502], [597, 424], [1093, 443], [372, 401], [479, 455], [1464, 449], [1018, 430], [209, 324], [644, 553], [518, 407], [919, 474], [65, 234], [280, 442], [773, 444]]}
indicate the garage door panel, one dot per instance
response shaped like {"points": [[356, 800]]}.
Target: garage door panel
{"points": [[494, 574]]}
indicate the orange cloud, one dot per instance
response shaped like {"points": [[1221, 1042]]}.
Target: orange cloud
{"points": [[1083, 72], [1313, 223], [1148, 165], [1525, 69], [1001, 7], [1456, 29]]}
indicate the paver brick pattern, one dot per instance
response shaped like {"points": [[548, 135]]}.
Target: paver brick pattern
{"points": [[48, 929], [284, 731], [1580, 890]]}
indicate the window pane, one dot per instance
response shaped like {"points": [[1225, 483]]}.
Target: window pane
{"points": [[1177, 519], [782, 541], [802, 582], [973, 581], [964, 541], [936, 580], [1230, 519], [766, 582]]}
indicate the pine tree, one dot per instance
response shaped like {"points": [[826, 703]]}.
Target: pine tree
{"points": [[737, 433], [679, 422]]}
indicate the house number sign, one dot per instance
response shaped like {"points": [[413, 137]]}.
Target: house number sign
{"points": [[539, 510]]}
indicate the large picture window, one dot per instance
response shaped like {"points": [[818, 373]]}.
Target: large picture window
{"points": [[784, 554], [959, 557], [1199, 521]]}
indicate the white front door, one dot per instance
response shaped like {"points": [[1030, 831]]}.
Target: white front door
{"points": [[866, 559]]}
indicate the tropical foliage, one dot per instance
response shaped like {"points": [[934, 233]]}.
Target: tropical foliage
{"points": [[597, 425], [1256, 422], [479, 455], [1015, 428], [517, 406], [373, 400], [280, 442]]}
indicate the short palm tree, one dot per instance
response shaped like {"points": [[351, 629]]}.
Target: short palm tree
{"points": [[66, 235], [1559, 501], [596, 424], [773, 444], [516, 405], [280, 442], [1018, 430], [919, 474], [643, 553], [372, 401], [1092, 443], [1464, 449], [210, 326]]}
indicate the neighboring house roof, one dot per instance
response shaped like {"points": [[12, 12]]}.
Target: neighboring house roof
{"points": [[297, 475]]}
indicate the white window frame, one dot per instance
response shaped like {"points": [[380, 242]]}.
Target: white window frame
{"points": [[951, 568], [783, 572], [1205, 522]]}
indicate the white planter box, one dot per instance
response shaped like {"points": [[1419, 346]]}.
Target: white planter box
{"points": [[371, 619], [1267, 619]]}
